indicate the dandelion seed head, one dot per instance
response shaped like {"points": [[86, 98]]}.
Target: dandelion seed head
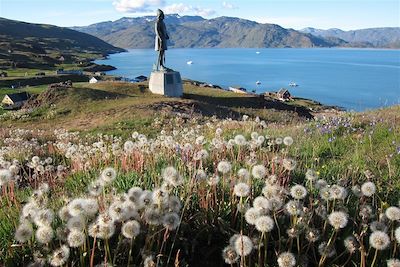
{"points": [[76, 238], [152, 216], [379, 240], [134, 194], [259, 171], [24, 232], [393, 263], [337, 192], [312, 235], [243, 245], [286, 259], [201, 175], [368, 189], [240, 140], [224, 167], [213, 180], [44, 234], [252, 215], [393, 213], [243, 174], [129, 146], [171, 221], [321, 183], [5, 176], [311, 175], [288, 141], [76, 223], [378, 226], [130, 229], [241, 190], [289, 164], [264, 224], [108, 175], [44, 217], [298, 192], [351, 244], [229, 255], [60, 256], [328, 251], [262, 204], [293, 207], [338, 219], [397, 234]]}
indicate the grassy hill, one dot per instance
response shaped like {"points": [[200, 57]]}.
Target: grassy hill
{"points": [[298, 172], [112, 105], [40, 46]]}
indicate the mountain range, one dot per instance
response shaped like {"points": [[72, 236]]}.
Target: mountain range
{"points": [[388, 37], [195, 31]]}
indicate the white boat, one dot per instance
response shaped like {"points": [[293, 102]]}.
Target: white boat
{"points": [[189, 62], [258, 52], [293, 84], [258, 82]]}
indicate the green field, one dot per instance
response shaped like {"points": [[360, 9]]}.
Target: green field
{"points": [[252, 179]]}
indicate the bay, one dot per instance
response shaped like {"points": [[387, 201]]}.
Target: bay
{"points": [[355, 79]]}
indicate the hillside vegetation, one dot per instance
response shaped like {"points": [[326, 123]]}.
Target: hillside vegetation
{"points": [[40, 46], [212, 179]]}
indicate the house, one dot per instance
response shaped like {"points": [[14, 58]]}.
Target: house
{"points": [[283, 94], [93, 80], [14, 101]]}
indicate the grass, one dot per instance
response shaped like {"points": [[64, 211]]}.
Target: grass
{"points": [[340, 148]]}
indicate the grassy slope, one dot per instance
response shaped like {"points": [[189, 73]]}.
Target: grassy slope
{"points": [[110, 104], [120, 108]]}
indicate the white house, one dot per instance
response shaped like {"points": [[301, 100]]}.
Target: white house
{"points": [[12, 101], [93, 80]]}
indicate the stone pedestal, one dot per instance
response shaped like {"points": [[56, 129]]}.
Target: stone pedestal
{"points": [[168, 83]]}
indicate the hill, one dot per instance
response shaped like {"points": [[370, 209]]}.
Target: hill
{"points": [[194, 31], [28, 45], [388, 37]]}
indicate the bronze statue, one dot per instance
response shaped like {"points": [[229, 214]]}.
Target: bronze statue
{"points": [[161, 40]]}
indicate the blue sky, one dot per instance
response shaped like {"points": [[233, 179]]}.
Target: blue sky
{"points": [[297, 14]]}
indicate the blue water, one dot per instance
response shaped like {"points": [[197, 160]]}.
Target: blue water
{"points": [[356, 79]]}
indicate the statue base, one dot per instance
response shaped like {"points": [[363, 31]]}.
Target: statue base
{"points": [[168, 83]]}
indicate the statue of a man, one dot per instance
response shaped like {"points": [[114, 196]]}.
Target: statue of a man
{"points": [[161, 39]]}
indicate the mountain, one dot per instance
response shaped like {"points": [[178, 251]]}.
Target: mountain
{"points": [[39, 45], [195, 31], [388, 37]]}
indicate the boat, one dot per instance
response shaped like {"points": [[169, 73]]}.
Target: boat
{"points": [[189, 62], [258, 52], [258, 82], [293, 84]]}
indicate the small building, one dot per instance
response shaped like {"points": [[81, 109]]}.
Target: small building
{"points": [[93, 80], [283, 94], [14, 101]]}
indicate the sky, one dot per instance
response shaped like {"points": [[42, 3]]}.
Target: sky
{"points": [[296, 14]]}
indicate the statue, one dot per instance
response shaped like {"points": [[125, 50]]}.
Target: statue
{"points": [[161, 40], [163, 80]]}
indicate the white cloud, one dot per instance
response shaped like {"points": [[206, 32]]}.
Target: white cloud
{"points": [[227, 5], [135, 6], [188, 9]]}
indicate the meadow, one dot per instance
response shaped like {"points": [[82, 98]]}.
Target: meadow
{"points": [[152, 186]]}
